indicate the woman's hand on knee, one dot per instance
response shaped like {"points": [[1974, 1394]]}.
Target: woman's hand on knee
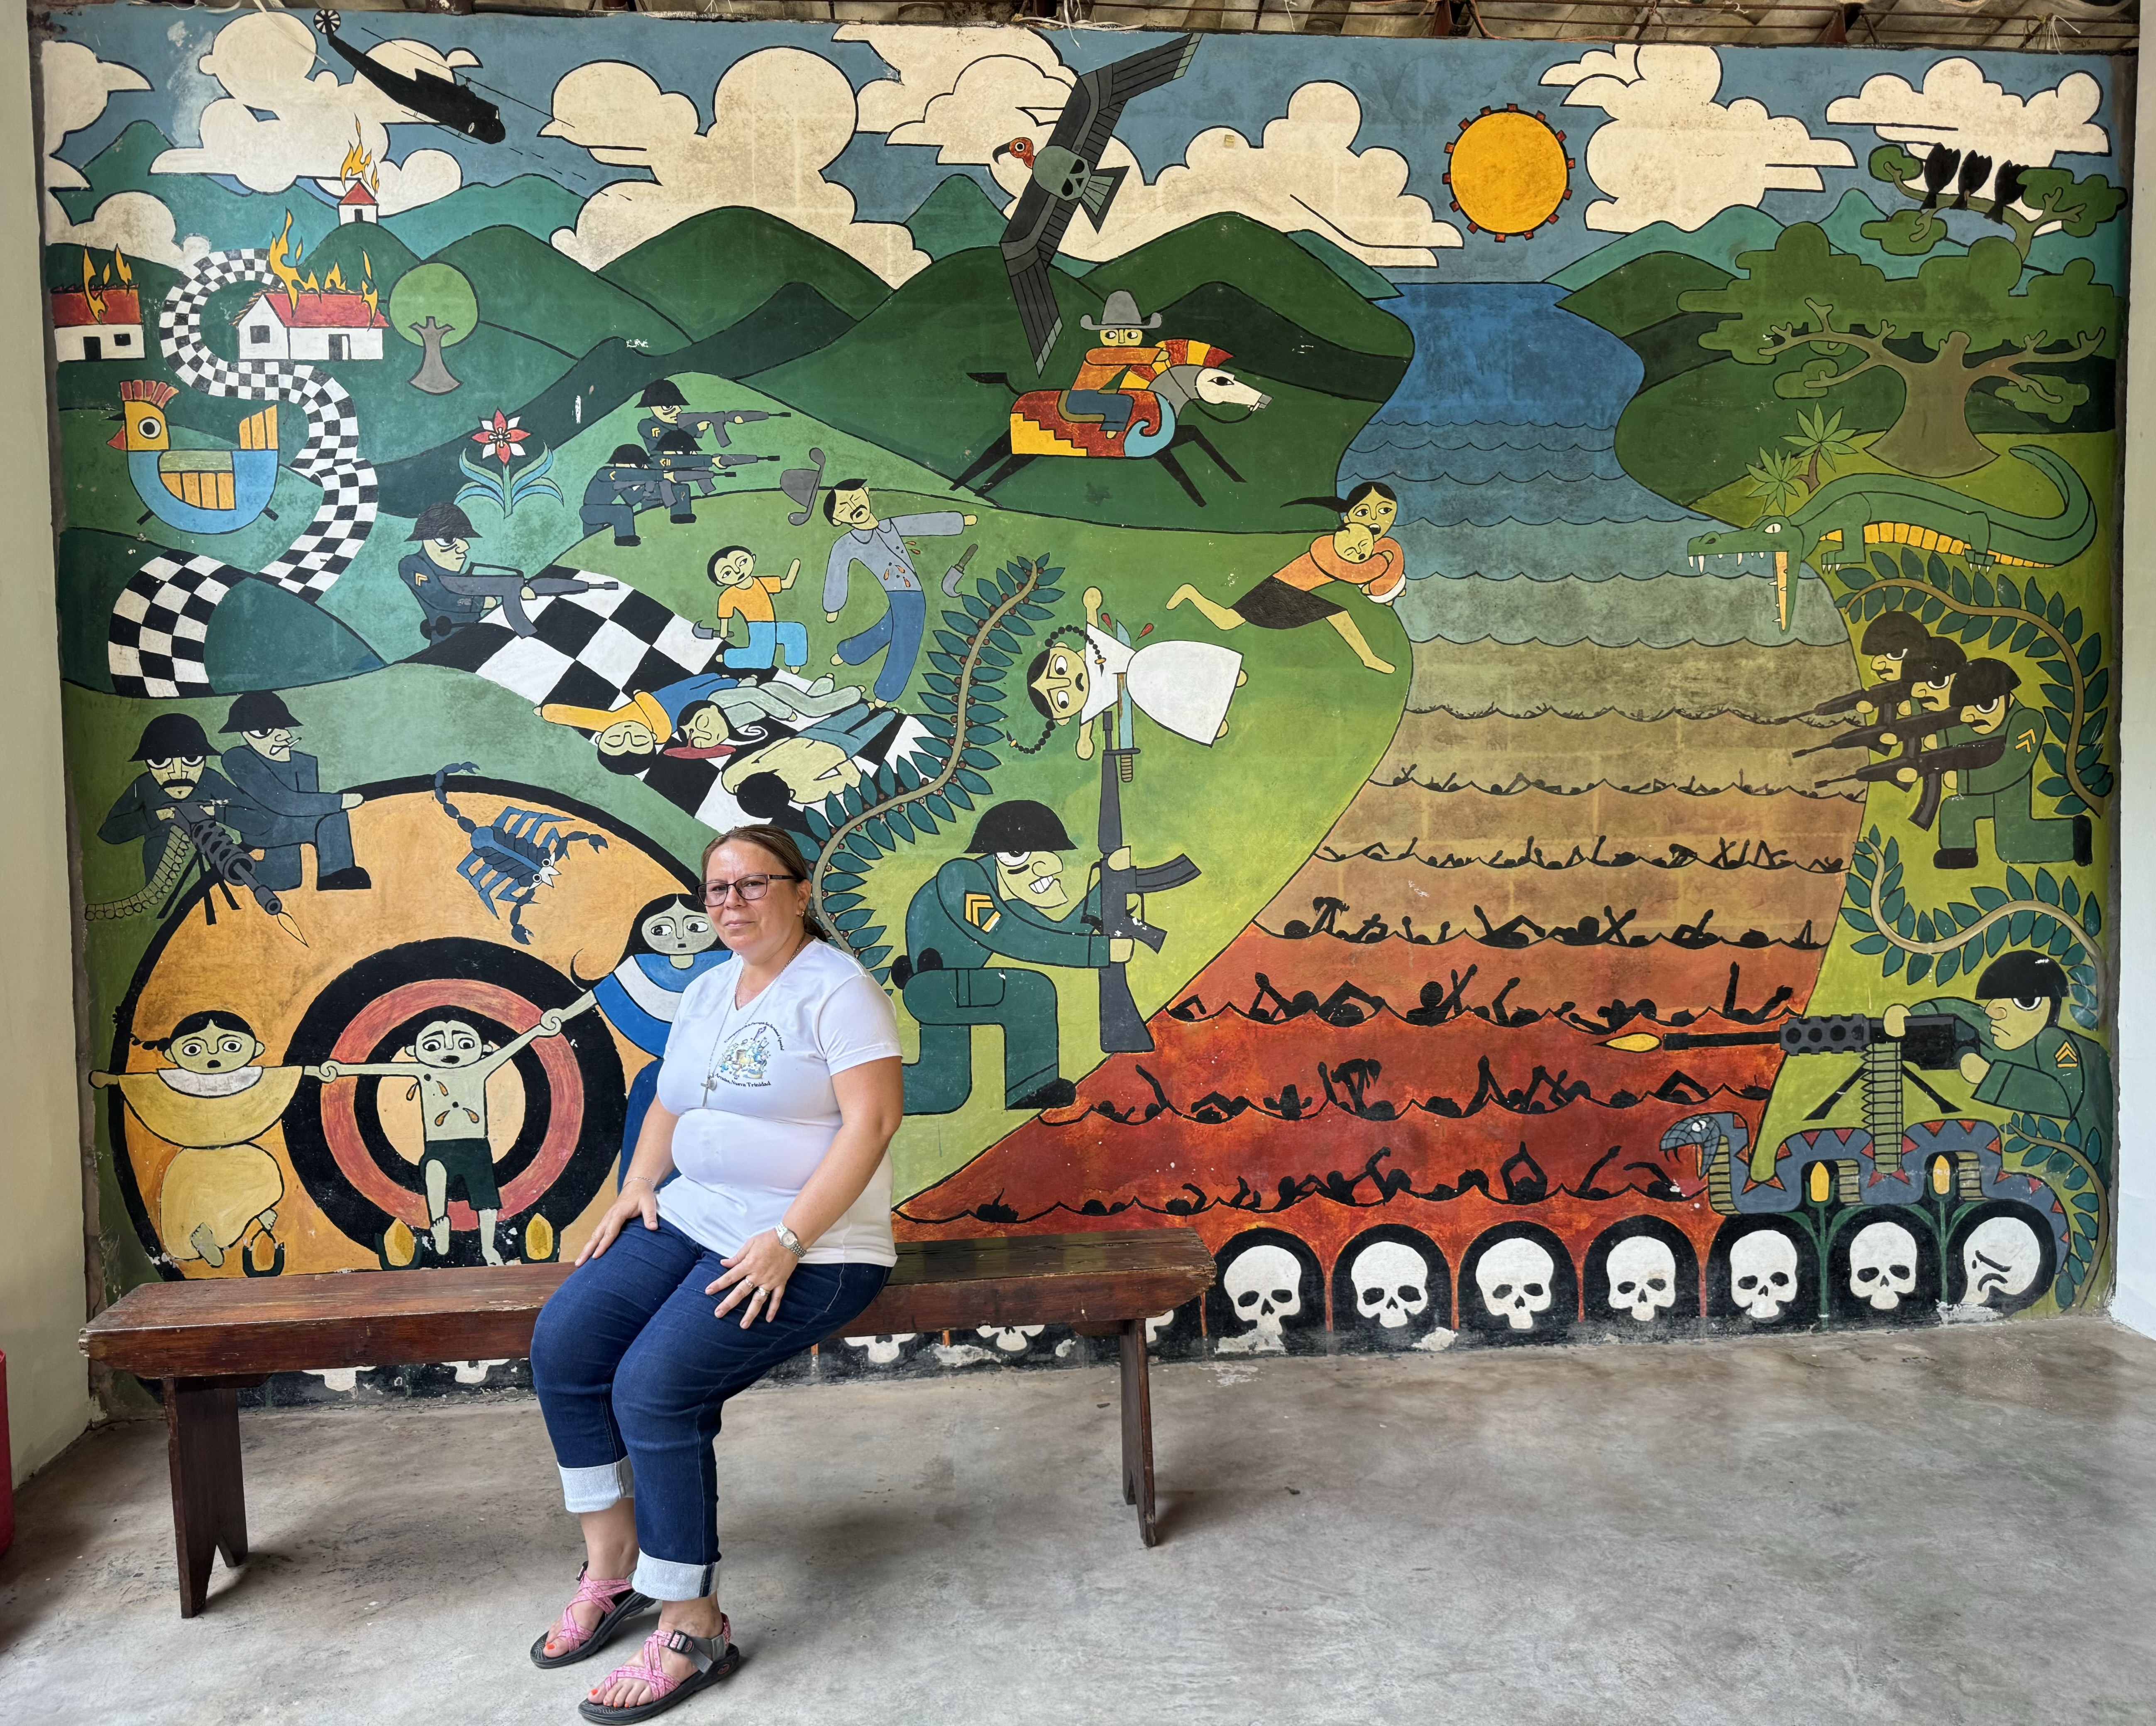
{"points": [[755, 1279], [640, 1198]]}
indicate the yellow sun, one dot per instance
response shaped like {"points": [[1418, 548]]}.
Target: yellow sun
{"points": [[1509, 172]]}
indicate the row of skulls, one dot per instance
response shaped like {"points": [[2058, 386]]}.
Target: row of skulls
{"points": [[1392, 1288]]}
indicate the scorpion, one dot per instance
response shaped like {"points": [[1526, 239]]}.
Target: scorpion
{"points": [[514, 855]]}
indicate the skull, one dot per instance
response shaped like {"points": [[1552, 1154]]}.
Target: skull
{"points": [[1882, 1265], [1010, 1338], [1515, 1277], [1643, 1277], [1265, 1286], [1763, 1274], [2002, 1257], [882, 1350], [1392, 1283]]}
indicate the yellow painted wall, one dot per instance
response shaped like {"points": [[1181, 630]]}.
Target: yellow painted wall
{"points": [[41, 1264]]}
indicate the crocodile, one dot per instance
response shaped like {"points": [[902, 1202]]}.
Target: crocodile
{"points": [[1838, 524]]}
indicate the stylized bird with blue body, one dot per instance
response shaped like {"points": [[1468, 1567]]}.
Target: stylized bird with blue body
{"points": [[195, 490]]}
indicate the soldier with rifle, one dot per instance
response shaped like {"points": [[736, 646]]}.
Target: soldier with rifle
{"points": [[1998, 789], [670, 411], [1008, 899], [1924, 685]]}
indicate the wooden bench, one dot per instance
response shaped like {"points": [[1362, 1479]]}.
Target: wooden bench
{"points": [[208, 1340]]}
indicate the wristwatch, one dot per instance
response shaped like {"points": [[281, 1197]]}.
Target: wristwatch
{"points": [[791, 1241]]}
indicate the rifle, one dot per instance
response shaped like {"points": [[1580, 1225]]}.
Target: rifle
{"points": [[1884, 697], [225, 864], [1122, 1027], [498, 582], [716, 422], [1932, 766]]}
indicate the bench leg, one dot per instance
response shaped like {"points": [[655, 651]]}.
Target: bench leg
{"points": [[1137, 1429], [209, 1503]]}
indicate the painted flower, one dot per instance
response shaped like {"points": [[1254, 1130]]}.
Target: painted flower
{"points": [[501, 437]]}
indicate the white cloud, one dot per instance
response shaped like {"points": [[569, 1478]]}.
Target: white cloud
{"points": [[1670, 153], [77, 86], [965, 92], [263, 62], [1958, 105], [781, 116]]}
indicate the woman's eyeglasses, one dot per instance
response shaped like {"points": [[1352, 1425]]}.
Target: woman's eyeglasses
{"points": [[751, 887]]}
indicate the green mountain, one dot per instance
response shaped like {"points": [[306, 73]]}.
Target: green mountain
{"points": [[715, 268], [908, 377], [1271, 270], [524, 284], [956, 216], [1642, 292], [1345, 265], [198, 203], [531, 203], [1738, 229], [358, 252], [795, 321]]}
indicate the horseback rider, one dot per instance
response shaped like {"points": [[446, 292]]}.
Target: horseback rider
{"points": [[1119, 370]]}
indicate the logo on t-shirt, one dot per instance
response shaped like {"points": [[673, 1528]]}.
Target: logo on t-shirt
{"points": [[746, 1060]]}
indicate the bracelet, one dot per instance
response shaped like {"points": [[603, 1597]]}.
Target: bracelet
{"points": [[645, 1179], [791, 1241]]}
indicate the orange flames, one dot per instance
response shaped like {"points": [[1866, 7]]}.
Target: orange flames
{"points": [[359, 165], [285, 255], [96, 300], [367, 285]]}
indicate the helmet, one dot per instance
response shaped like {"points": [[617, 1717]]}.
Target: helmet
{"points": [[662, 392], [442, 521], [1020, 825], [170, 735]]}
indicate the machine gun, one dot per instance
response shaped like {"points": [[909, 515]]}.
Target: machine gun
{"points": [[1930, 1042], [224, 866], [1932, 766], [500, 582]]}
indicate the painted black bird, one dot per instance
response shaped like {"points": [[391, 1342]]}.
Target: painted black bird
{"points": [[1938, 173], [1975, 170], [2006, 189], [1067, 177], [443, 100]]}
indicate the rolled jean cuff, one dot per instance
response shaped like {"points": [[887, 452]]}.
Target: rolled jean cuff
{"points": [[663, 1579], [599, 1488]]}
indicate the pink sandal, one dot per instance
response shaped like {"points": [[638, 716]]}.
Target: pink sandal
{"points": [[571, 1640], [714, 1657]]}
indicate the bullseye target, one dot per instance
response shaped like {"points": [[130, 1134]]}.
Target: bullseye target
{"points": [[275, 1172], [554, 1110]]}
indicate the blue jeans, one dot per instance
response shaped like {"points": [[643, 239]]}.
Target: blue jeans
{"points": [[632, 1371], [765, 642], [896, 635]]}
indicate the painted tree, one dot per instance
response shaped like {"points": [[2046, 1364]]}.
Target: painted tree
{"points": [[435, 306], [2026, 202], [1957, 325], [1819, 439]]}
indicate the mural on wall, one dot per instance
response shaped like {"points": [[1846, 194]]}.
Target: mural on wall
{"points": [[1486, 676]]}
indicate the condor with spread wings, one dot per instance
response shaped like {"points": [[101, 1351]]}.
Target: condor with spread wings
{"points": [[1067, 176]]}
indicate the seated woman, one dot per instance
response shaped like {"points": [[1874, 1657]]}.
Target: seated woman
{"points": [[1359, 552], [779, 1094]]}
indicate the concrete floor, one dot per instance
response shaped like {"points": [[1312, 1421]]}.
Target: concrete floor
{"points": [[1939, 1526]]}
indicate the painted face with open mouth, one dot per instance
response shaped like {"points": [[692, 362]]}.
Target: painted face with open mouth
{"points": [[1034, 878]]}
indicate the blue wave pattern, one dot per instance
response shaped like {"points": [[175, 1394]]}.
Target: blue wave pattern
{"points": [[1507, 415]]}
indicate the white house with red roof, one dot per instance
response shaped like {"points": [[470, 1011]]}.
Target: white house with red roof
{"points": [[310, 326], [358, 204], [108, 326]]}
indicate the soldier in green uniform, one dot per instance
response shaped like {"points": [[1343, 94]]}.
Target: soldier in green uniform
{"points": [[2000, 793], [1007, 900], [2022, 1060]]}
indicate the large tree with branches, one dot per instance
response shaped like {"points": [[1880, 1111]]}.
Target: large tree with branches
{"points": [[1962, 322]]}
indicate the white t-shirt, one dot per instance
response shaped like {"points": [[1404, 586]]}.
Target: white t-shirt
{"points": [[752, 1086]]}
